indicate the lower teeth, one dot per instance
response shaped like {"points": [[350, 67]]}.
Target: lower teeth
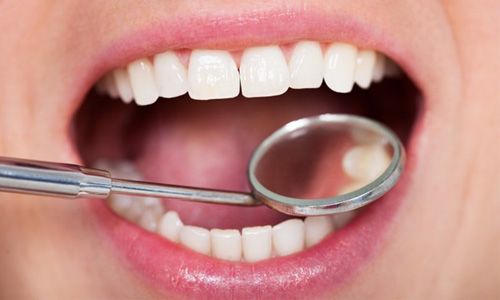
{"points": [[251, 244]]}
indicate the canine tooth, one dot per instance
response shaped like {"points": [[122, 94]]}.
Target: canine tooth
{"points": [[123, 87], [365, 65], [316, 228], [379, 69], [340, 220], [340, 63], [170, 226], [288, 237], [263, 72], [195, 238], [306, 65], [142, 80], [212, 74], [365, 162], [226, 244], [149, 219], [257, 243], [170, 75]]}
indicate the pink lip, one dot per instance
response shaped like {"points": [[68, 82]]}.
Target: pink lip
{"points": [[326, 267]]}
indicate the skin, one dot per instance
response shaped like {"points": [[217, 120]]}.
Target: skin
{"points": [[444, 243]]}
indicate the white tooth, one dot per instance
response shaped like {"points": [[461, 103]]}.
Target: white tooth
{"points": [[340, 220], [170, 75], [257, 243], [110, 86], [366, 162], [126, 169], [306, 65], [365, 65], [122, 82], [212, 74], [149, 219], [392, 69], [141, 74], [226, 244], [135, 210], [120, 203], [195, 238], [340, 63], [379, 69], [288, 237], [263, 72], [170, 226], [316, 228]]}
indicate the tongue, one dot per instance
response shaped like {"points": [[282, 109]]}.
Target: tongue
{"points": [[208, 144]]}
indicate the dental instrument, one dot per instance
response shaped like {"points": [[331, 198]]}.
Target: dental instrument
{"points": [[268, 171]]}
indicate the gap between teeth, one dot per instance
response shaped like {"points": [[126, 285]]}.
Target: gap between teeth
{"points": [[362, 163], [261, 72]]}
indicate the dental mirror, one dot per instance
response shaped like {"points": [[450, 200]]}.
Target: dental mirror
{"points": [[319, 165]]}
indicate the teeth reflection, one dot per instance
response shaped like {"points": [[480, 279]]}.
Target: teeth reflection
{"points": [[253, 244]]}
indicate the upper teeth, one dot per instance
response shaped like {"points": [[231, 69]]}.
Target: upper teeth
{"points": [[262, 71]]}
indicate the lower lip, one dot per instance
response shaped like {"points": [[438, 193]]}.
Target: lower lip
{"points": [[179, 272]]}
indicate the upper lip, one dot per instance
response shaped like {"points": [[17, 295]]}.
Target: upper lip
{"points": [[177, 271]]}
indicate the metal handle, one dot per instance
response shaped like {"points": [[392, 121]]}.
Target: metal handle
{"points": [[53, 179]]}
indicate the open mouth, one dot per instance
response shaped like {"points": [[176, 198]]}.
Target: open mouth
{"points": [[148, 118]]}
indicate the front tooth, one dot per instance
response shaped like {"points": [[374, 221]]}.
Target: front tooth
{"points": [[306, 65], [123, 85], [212, 74], [316, 228], [257, 243], [379, 69], [226, 244], [366, 163], [141, 74], [170, 226], [340, 63], [195, 238], [340, 220], [365, 65], [170, 75], [288, 237], [263, 72]]}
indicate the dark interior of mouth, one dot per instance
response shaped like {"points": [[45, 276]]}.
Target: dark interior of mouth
{"points": [[208, 143]]}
